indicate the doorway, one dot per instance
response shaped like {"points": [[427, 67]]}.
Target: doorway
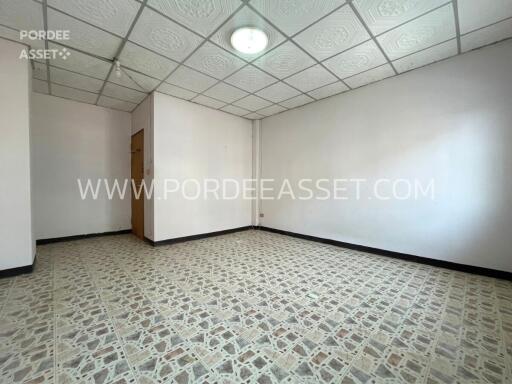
{"points": [[137, 149]]}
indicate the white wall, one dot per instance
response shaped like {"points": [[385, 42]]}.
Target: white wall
{"points": [[74, 140], [451, 121], [192, 141], [17, 244]]}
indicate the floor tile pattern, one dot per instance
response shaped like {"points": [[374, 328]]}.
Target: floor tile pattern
{"points": [[249, 307]]}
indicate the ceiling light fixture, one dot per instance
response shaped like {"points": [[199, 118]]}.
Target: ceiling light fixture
{"points": [[118, 69], [249, 40]]}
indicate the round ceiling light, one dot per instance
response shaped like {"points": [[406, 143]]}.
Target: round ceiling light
{"points": [[249, 40]]}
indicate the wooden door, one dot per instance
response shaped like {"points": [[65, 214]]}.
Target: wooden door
{"points": [[137, 177]]}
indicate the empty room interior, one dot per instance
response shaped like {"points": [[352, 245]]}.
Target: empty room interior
{"points": [[256, 191]]}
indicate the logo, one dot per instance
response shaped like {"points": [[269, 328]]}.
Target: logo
{"points": [[41, 53]]}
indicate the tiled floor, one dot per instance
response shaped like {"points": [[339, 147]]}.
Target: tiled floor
{"points": [[248, 307]]}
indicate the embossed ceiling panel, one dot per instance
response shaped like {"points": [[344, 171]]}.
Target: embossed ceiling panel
{"points": [[14, 35], [475, 14], [250, 78], [214, 61], [337, 32], [120, 105], [235, 110], [81, 63], [74, 80], [487, 35], [189, 79], [382, 15], [21, 14], [172, 90], [433, 28], [328, 90], [284, 61], [114, 16], [225, 92], [203, 16], [370, 76], [427, 56], [294, 15], [278, 92], [145, 82], [272, 110], [208, 101], [74, 94], [311, 78], [145, 61], [297, 101], [356, 60], [123, 93], [158, 33], [252, 103], [247, 17], [125, 80]]}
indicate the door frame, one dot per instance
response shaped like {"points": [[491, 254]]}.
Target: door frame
{"points": [[142, 196]]}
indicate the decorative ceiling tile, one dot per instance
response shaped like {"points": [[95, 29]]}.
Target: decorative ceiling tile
{"points": [[311, 78], [254, 116], [40, 71], [235, 110], [189, 79], [125, 80], [284, 60], [433, 28], [427, 56], [247, 17], [278, 92], [474, 14], [39, 86], [487, 35], [214, 61], [123, 93], [356, 60], [250, 79], [172, 90], [21, 15], [370, 76], [75, 80], [297, 101], [109, 102], [84, 37], [272, 110], [252, 103], [74, 94], [145, 82], [14, 34], [115, 16], [225, 92], [336, 33], [291, 16], [82, 63], [382, 15], [161, 35], [328, 90], [145, 61], [208, 102], [203, 16]]}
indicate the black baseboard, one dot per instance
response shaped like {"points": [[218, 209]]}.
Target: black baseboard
{"points": [[81, 237], [397, 255], [18, 271], [197, 237]]}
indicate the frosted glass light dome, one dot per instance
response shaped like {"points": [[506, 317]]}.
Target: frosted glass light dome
{"points": [[249, 40]]}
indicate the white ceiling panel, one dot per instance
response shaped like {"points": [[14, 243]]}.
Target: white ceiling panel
{"points": [[247, 17], [189, 79], [291, 16], [427, 56], [123, 93], [235, 110], [214, 61], [145, 82], [161, 35], [336, 33], [172, 90], [145, 61], [297, 101], [254, 116], [284, 60], [328, 90], [208, 102], [311, 78], [272, 110], [487, 35], [356, 60], [382, 15], [250, 79], [125, 80], [74, 94], [252, 103], [40, 86], [74, 80], [14, 34], [114, 16], [121, 105], [203, 16], [21, 14], [278, 92], [84, 37], [81, 63], [370, 76], [433, 28], [40, 71], [225, 92], [475, 14]]}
